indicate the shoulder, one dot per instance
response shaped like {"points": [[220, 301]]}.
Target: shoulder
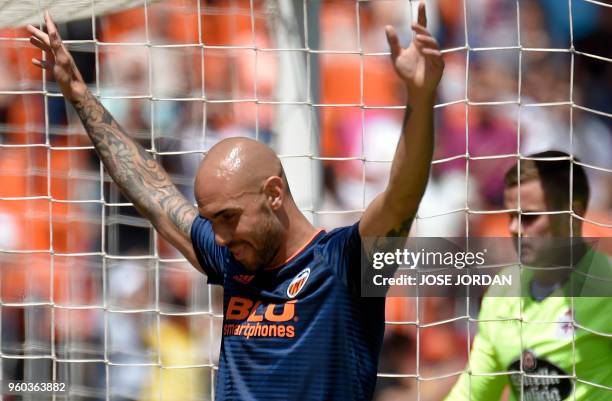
{"points": [[341, 241], [341, 234], [202, 235], [200, 225], [597, 264]]}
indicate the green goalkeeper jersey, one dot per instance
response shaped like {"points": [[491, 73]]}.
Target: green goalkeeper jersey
{"points": [[535, 345]]}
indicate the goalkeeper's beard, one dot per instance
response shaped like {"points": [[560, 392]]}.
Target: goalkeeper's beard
{"points": [[268, 237]]}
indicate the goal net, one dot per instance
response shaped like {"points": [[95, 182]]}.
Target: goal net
{"points": [[92, 297]]}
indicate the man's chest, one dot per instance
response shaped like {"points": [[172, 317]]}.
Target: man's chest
{"points": [[281, 305]]}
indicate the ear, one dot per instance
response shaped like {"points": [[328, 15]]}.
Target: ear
{"points": [[274, 190], [579, 208]]}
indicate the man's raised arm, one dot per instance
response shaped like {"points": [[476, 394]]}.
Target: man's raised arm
{"points": [[141, 179], [420, 67]]}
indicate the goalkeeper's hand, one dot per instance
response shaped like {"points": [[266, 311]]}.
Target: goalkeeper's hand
{"points": [[58, 60], [420, 65]]}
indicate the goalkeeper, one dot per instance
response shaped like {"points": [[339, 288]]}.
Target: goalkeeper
{"points": [[561, 346], [294, 327]]}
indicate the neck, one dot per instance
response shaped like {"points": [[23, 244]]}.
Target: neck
{"points": [[570, 259], [298, 232]]}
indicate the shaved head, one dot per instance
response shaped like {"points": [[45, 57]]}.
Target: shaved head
{"points": [[240, 164], [241, 188]]}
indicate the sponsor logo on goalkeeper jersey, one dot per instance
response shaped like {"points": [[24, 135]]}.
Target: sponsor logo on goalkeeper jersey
{"points": [[298, 283], [247, 318], [541, 380]]}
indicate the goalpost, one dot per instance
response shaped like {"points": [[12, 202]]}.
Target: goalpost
{"points": [[95, 298]]}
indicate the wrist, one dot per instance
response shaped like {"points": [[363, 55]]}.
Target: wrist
{"points": [[420, 100], [420, 95]]}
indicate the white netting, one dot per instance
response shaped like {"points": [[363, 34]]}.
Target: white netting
{"points": [[20, 13], [90, 295]]}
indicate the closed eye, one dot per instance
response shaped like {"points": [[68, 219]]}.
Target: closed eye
{"points": [[226, 215], [528, 218]]}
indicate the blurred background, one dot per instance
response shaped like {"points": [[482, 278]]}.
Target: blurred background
{"points": [[89, 294]]}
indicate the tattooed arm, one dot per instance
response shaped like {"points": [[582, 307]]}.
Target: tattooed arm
{"points": [[420, 67], [141, 179]]}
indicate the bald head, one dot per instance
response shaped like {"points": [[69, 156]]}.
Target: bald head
{"points": [[237, 165], [242, 191], [240, 188]]}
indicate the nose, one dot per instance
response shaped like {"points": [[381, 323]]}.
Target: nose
{"points": [[514, 225], [222, 237]]}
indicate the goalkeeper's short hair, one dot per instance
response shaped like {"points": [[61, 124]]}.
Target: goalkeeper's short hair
{"points": [[555, 178]]}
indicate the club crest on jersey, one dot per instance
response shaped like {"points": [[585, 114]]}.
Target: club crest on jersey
{"points": [[565, 325], [298, 283]]}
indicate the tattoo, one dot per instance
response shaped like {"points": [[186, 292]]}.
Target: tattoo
{"points": [[395, 238], [140, 177], [402, 230]]}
